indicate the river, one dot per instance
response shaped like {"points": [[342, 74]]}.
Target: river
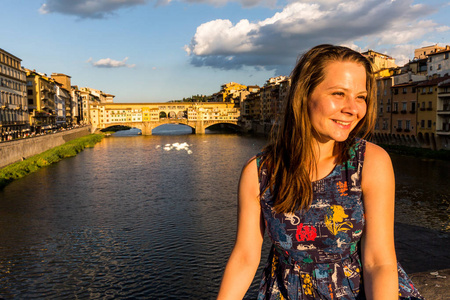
{"points": [[152, 217]]}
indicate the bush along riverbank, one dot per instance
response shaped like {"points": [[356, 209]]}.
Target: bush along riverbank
{"points": [[417, 152], [22, 168]]}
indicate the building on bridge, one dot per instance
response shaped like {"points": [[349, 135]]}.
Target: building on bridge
{"points": [[147, 116]]}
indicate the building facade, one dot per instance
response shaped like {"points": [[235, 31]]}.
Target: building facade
{"points": [[13, 98], [439, 62], [41, 91]]}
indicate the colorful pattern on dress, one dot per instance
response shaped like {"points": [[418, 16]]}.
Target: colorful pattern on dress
{"points": [[315, 253]]}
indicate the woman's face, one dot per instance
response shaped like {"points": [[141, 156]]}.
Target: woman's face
{"points": [[338, 103]]}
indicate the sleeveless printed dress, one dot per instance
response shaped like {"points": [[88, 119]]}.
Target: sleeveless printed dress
{"points": [[315, 254]]}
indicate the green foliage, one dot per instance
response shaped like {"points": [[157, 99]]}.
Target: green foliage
{"points": [[417, 152], [34, 163]]}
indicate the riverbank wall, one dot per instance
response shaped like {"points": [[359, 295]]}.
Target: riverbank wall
{"points": [[17, 150]]}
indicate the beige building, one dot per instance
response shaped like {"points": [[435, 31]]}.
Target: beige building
{"points": [[443, 114], [423, 52], [384, 104], [404, 112], [65, 91], [13, 98], [439, 62]]}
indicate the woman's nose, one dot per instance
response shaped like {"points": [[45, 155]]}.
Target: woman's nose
{"points": [[350, 105]]}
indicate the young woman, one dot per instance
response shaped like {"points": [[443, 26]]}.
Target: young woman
{"points": [[325, 196]]}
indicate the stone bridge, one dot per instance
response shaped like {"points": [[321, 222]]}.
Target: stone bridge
{"points": [[198, 127]]}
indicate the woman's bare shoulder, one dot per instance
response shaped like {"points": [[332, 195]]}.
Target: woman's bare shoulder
{"points": [[375, 154], [377, 165], [250, 169]]}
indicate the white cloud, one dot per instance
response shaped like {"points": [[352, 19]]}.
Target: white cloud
{"points": [[110, 63], [276, 41]]}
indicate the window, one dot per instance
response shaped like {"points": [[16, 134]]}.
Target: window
{"points": [[446, 55], [424, 90], [413, 106], [381, 110], [413, 89], [430, 104], [422, 123], [431, 68], [430, 59], [399, 124], [430, 89], [429, 123], [404, 105], [395, 91], [439, 66], [408, 124], [388, 108]]}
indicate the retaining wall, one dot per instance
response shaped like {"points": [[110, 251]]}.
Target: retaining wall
{"points": [[16, 150]]}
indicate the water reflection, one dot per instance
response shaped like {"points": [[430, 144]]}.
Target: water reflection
{"points": [[130, 219]]}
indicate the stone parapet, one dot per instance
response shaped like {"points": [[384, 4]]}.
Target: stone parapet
{"points": [[16, 150]]}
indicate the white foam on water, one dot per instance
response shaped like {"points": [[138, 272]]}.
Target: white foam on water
{"points": [[176, 146]]}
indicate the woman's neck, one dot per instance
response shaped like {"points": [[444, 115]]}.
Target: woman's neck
{"points": [[325, 155]]}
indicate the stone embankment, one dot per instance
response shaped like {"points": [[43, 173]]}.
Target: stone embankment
{"points": [[17, 150], [424, 255]]}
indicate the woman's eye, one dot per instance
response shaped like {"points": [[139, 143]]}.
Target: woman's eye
{"points": [[362, 98]]}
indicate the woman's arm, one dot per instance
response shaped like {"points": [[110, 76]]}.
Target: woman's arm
{"points": [[378, 249], [246, 254]]}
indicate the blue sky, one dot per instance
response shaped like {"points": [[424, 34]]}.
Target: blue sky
{"points": [[161, 50]]}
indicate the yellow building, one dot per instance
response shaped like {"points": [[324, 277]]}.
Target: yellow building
{"points": [[380, 61], [230, 91], [41, 91], [404, 113]]}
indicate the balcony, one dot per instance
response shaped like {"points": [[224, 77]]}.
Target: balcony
{"points": [[412, 111], [399, 130], [445, 129], [403, 111]]}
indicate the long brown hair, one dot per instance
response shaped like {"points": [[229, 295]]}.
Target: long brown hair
{"points": [[289, 156]]}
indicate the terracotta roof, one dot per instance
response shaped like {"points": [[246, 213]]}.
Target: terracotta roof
{"points": [[433, 81], [412, 83]]}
